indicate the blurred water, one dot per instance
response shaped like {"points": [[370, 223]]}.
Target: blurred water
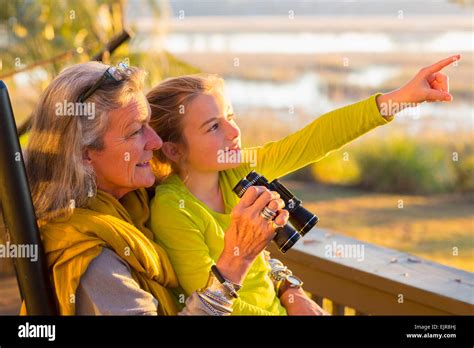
{"points": [[306, 42], [293, 43], [373, 76], [305, 92]]}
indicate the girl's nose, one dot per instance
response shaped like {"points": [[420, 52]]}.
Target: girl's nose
{"points": [[233, 131]]}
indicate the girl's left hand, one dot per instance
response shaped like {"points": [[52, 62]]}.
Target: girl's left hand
{"points": [[429, 85]]}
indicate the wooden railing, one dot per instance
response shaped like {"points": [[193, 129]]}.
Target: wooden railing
{"points": [[353, 277], [373, 280]]}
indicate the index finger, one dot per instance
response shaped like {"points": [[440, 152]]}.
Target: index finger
{"points": [[251, 195], [442, 63]]}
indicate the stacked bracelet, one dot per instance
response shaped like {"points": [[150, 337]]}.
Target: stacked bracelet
{"points": [[231, 287], [283, 277], [278, 271], [216, 304], [219, 293]]}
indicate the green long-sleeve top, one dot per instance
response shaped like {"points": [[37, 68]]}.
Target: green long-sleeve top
{"points": [[193, 234]]}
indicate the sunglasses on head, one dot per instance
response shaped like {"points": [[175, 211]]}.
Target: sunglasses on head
{"points": [[112, 74]]}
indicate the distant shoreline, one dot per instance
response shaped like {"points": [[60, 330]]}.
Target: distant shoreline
{"points": [[313, 23]]}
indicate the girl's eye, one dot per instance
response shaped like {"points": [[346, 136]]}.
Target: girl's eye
{"points": [[214, 127], [230, 117]]}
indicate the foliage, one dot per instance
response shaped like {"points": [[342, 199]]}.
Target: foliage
{"points": [[400, 165]]}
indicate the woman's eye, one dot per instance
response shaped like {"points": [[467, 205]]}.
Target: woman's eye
{"points": [[230, 117], [138, 131]]}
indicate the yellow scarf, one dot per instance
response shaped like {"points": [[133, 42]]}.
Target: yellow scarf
{"points": [[72, 244]]}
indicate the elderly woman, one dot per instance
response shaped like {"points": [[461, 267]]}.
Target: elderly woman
{"points": [[88, 165]]}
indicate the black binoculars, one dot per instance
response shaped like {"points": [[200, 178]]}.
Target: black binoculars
{"points": [[301, 220]]}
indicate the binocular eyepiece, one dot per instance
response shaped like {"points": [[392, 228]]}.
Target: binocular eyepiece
{"points": [[301, 220]]}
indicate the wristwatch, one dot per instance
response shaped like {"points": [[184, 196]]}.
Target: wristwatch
{"points": [[291, 281]]}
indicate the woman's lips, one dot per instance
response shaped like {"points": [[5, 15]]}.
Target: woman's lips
{"points": [[144, 164]]}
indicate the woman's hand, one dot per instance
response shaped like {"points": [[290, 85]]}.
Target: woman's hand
{"points": [[428, 85], [249, 233], [296, 302]]}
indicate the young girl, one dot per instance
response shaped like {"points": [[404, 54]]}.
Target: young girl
{"points": [[197, 164]]}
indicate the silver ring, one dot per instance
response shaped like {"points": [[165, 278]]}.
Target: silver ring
{"points": [[268, 214]]}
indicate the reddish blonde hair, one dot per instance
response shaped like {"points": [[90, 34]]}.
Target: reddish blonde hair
{"points": [[169, 101]]}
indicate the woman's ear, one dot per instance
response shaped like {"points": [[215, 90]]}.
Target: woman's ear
{"points": [[86, 156], [171, 151]]}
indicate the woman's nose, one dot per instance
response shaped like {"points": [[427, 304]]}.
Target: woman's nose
{"points": [[154, 142]]}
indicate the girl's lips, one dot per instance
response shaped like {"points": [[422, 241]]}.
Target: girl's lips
{"points": [[235, 148]]}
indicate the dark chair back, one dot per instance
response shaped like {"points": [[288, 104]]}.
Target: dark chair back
{"points": [[20, 219]]}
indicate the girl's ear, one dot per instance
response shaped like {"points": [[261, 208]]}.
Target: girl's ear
{"points": [[171, 150]]}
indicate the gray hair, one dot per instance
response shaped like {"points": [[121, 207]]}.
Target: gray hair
{"points": [[58, 177]]}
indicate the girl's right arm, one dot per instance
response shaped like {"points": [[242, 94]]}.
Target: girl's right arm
{"points": [[310, 144]]}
